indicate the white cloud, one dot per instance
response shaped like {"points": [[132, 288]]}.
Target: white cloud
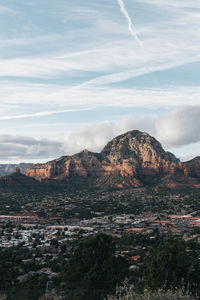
{"points": [[175, 3], [170, 42], [119, 61], [110, 26], [30, 41], [74, 68], [26, 148], [39, 114], [4, 9], [179, 127], [85, 97], [173, 129]]}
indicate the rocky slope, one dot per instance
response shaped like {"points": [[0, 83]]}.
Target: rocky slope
{"points": [[132, 159]]}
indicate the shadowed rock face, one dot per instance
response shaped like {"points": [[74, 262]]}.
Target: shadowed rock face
{"points": [[192, 167], [18, 181], [132, 159]]}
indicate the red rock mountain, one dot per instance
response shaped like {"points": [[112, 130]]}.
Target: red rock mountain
{"points": [[132, 159]]}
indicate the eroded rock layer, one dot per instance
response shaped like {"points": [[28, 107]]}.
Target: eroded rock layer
{"points": [[132, 159]]}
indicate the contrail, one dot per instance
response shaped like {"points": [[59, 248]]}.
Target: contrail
{"points": [[130, 24]]}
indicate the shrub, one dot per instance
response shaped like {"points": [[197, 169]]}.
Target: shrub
{"points": [[127, 292]]}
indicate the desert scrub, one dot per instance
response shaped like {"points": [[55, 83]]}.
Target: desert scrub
{"points": [[127, 292]]}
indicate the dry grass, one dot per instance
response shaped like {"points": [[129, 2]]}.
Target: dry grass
{"points": [[126, 292]]}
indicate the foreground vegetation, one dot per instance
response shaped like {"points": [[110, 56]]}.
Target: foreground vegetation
{"points": [[127, 292], [159, 261], [94, 269]]}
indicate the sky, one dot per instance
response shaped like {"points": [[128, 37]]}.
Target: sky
{"points": [[75, 74]]}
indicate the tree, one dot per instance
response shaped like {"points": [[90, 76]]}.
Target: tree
{"points": [[168, 266], [93, 270]]}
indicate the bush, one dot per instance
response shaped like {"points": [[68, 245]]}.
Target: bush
{"points": [[127, 292]]}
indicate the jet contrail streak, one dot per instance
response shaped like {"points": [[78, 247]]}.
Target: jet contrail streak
{"points": [[130, 24]]}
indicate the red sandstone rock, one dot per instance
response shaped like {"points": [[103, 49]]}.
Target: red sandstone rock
{"points": [[132, 159]]}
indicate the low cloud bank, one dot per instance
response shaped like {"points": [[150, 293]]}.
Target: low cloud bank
{"points": [[18, 148], [176, 128]]}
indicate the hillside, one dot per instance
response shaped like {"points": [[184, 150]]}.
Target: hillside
{"points": [[18, 181]]}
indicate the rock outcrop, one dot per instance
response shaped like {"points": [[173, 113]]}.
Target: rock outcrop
{"points": [[132, 159]]}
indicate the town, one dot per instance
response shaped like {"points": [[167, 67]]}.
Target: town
{"points": [[48, 226]]}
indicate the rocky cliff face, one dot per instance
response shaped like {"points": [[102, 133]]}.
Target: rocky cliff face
{"points": [[132, 159], [139, 155], [84, 164]]}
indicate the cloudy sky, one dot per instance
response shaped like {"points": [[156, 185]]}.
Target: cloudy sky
{"points": [[74, 74]]}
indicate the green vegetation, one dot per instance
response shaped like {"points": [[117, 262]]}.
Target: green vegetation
{"points": [[93, 270], [83, 204], [95, 266], [31, 289], [11, 267], [170, 266], [90, 266]]}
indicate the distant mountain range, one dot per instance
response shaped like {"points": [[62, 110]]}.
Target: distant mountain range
{"points": [[133, 159], [6, 169]]}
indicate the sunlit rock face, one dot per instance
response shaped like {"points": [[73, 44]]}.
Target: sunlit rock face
{"points": [[133, 159], [139, 155]]}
